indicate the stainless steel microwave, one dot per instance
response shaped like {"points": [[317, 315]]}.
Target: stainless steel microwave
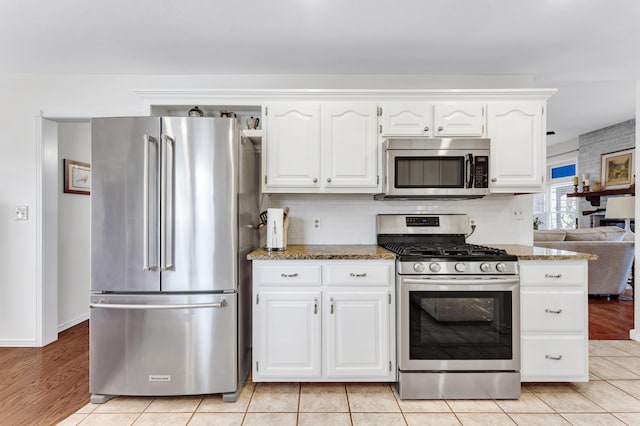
{"points": [[435, 168]]}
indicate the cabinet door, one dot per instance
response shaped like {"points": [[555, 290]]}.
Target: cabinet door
{"points": [[357, 333], [407, 119], [349, 146], [287, 336], [461, 119], [517, 157], [293, 146]]}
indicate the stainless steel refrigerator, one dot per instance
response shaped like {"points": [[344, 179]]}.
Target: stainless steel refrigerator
{"points": [[173, 204]]}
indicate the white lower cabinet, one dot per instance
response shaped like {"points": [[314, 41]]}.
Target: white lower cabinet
{"points": [[286, 336], [339, 328], [554, 321], [357, 333]]}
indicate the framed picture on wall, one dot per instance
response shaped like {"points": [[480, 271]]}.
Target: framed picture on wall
{"points": [[617, 169], [77, 177]]}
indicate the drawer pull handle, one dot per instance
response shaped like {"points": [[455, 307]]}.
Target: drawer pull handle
{"points": [[554, 357], [553, 311], [289, 275], [364, 274], [552, 275]]}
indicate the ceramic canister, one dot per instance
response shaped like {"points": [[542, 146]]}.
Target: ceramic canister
{"points": [[275, 229]]}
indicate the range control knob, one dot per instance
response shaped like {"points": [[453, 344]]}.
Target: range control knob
{"points": [[485, 267], [418, 267], [460, 267], [501, 267], [434, 267]]}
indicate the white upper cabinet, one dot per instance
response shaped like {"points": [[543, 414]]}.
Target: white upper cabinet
{"points": [[349, 146], [293, 134], [517, 161], [459, 119], [321, 147], [411, 118]]}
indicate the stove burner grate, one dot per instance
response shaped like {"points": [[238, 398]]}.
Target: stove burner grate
{"points": [[443, 250]]}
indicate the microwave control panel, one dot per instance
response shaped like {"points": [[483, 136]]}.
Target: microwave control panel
{"points": [[481, 172]]}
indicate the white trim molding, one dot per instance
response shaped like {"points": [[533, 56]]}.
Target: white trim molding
{"points": [[68, 324], [153, 97]]}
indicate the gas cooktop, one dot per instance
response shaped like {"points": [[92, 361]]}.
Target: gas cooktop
{"points": [[443, 249]]}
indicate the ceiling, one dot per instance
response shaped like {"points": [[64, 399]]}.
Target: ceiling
{"points": [[588, 49]]}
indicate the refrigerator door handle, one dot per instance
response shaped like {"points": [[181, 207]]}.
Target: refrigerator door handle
{"points": [[220, 304], [148, 142], [167, 201]]}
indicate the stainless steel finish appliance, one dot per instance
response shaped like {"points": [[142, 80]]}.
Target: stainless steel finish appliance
{"points": [[173, 201], [458, 310], [435, 168]]}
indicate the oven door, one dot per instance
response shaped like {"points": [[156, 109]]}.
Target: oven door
{"points": [[459, 324]]}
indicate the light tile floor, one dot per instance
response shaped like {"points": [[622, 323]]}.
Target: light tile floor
{"points": [[611, 397]]}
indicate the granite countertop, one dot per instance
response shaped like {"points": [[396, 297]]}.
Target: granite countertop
{"points": [[542, 253], [372, 252], [320, 252]]}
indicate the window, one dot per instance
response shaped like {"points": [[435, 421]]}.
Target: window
{"points": [[553, 208], [562, 210]]}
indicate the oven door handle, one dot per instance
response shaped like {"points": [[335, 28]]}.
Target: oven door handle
{"points": [[461, 282]]}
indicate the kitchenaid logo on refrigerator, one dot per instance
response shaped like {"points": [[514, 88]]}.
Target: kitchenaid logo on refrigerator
{"points": [[159, 378]]}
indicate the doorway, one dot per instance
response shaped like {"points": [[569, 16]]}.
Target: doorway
{"points": [[65, 230]]}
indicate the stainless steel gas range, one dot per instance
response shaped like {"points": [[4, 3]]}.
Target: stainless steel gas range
{"points": [[458, 310]]}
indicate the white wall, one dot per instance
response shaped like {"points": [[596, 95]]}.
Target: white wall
{"points": [[74, 143], [351, 219], [559, 150], [25, 97]]}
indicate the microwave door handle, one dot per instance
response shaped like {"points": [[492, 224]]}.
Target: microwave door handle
{"points": [[469, 169]]}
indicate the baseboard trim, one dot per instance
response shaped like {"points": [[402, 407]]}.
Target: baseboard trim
{"points": [[634, 335], [19, 343], [71, 323]]}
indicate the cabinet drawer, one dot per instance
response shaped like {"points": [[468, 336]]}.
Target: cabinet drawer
{"points": [[357, 273], [553, 311], [553, 273], [287, 274], [551, 359]]}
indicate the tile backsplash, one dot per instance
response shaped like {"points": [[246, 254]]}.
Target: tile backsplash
{"points": [[351, 219]]}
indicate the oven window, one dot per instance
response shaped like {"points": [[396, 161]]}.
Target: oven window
{"points": [[429, 172], [460, 325]]}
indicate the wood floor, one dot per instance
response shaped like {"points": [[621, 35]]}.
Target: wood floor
{"points": [[610, 319], [43, 386]]}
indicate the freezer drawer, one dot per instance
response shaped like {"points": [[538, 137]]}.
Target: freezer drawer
{"points": [[163, 344]]}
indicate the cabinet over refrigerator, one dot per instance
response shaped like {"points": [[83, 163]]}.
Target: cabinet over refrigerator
{"points": [[172, 201]]}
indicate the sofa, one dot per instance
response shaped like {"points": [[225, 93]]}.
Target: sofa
{"points": [[614, 247]]}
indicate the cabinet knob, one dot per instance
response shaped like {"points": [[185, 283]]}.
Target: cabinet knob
{"points": [[426, 128], [440, 128], [494, 180], [315, 180], [328, 179]]}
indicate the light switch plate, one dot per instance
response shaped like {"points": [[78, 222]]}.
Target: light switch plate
{"points": [[21, 213]]}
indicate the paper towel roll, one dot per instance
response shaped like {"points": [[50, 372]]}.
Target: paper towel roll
{"points": [[275, 229]]}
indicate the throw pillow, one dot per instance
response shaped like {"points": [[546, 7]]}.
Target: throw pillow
{"points": [[594, 236], [548, 236]]}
